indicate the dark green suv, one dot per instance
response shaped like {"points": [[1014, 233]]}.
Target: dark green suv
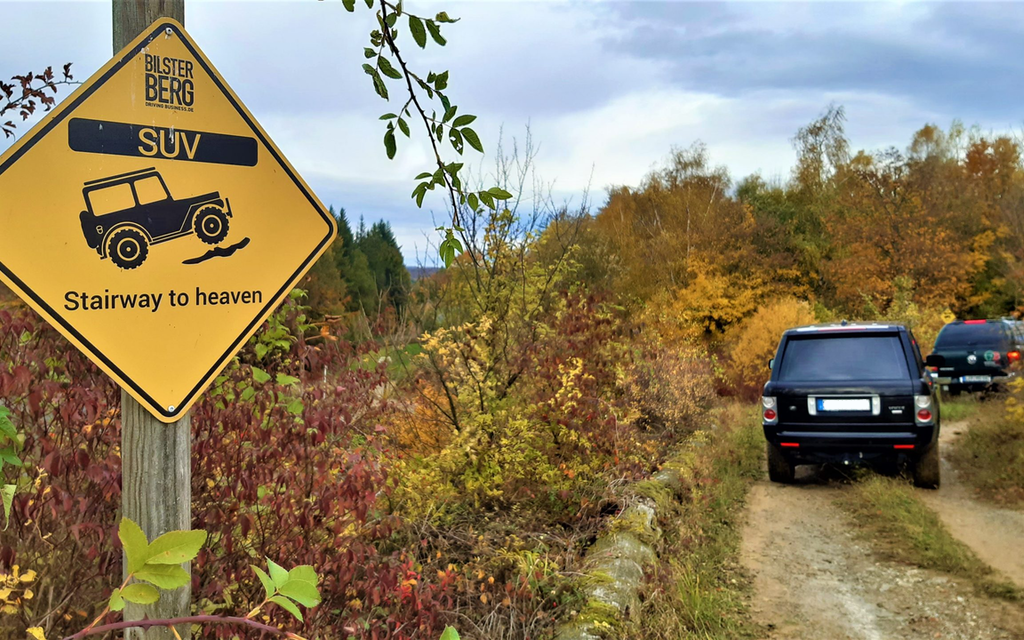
{"points": [[978, 355]]}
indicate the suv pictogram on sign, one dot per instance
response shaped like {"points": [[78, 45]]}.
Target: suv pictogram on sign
{"points": [[127, 213]]}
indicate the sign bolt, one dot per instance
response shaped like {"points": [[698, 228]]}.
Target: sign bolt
{"points": [[168, 31], [170, 408]]}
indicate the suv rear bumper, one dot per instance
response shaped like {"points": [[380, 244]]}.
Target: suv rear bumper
{"points": [[1003, 377], [815, 444]]}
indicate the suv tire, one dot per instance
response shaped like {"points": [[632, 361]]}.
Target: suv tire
{"points": [[211, 225], [926, 469], [779, 468], [128, 247]]}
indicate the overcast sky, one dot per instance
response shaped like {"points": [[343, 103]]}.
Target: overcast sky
{"points": [[607, 88]]}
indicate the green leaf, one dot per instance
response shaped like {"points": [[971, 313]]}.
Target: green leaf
{"points": [[449, 113], [304, 572], [441, 81], [140, 593], [463, 120], [286, 380], [165, 576], [261, 350], [7, 427], [487, 199], [135, 544], [369, 4], [369, 53], [305, 593], [472, 139], [350, 5], [419, 34], [288, 606], [499, 193], [474, 202], [435, 33], [404, 126], [7, 493], [116, 602], [388, 116], [259, 375], [387, 69], [456, 139], [277, 573], [248, 394], [450, 634], [378, 83], [268, 584], [176, 547], [301, 586], [7, 455], [295, 407], [389, 143]]}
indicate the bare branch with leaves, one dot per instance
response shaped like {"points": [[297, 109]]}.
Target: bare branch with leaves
{"points": [[443, 124]]}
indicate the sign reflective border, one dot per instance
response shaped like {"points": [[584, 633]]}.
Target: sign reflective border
{"points": [[151, 220]]}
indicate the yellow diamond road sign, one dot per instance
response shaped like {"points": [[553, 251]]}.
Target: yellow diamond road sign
{"points": [[151, 220]]}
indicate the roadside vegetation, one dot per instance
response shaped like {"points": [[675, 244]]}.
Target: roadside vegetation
{"points": [[990, 455], [890, 515], [958, 408], [698, 589]]}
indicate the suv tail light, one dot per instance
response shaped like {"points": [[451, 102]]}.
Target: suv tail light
{"points": [[923, 404], [1013, 356], [768, 410]]}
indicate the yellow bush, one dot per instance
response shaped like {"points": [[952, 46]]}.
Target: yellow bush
{"points": [[753, 342]]}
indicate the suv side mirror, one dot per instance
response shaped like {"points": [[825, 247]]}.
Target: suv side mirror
{"points": [[934, 360], [771, 363]]}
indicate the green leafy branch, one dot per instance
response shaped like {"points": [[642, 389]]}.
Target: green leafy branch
{"points": [[155, 566], [286, 588], [449, 126], [10, 445]]}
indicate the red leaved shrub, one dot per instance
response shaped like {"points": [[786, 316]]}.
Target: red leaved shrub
{"points": [[286, 465], [63, 522]]}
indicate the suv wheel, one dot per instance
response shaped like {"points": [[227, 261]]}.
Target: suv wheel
{"points": [[779, 469], [211, 225], [128, 247], [926, 469]]}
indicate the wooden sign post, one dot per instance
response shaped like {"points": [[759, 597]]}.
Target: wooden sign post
{"points": [[156, 471]]}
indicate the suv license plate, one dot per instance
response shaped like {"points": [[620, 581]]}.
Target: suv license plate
{"points": [[976, 379], [844, 404]]}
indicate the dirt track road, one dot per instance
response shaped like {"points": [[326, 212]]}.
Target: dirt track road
{"points": [[814, 579]]}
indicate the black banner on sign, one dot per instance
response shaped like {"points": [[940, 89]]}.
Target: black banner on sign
{"points": [[168, 143]]}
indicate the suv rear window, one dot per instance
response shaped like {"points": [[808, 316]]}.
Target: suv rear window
{"points": [[989, 334], [835, 358]]}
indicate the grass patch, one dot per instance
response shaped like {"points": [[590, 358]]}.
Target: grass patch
{"points": [[959, 408], [699, 590], [902, 528], [990, 455]]}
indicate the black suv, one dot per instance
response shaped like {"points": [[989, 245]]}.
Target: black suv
{"points": [[851, 393], [977, 354]]}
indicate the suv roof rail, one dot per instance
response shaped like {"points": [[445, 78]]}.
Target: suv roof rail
{"points": [[119, 176], [847, 326]]}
